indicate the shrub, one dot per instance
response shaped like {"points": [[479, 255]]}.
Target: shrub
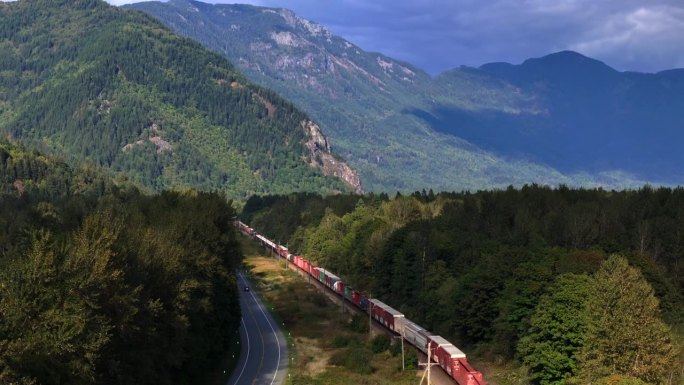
{"points": [[410, 359], [380, 343], [340, 341], [356, 358], [359, 324], [395, 349]]}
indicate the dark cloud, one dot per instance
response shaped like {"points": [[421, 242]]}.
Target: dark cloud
{"points": [[639, 35]]}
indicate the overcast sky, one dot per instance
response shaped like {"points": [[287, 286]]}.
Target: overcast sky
{"points": [[638, 35]]}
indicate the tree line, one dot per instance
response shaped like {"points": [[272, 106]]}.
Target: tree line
{"points": [[577, 285]]}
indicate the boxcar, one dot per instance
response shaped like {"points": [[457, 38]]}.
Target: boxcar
{"points": [[446, 354], [384, 314], [414, 334], [348, 293]]}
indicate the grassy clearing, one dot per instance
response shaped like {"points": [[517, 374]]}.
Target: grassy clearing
{"points": [[327, 350]]}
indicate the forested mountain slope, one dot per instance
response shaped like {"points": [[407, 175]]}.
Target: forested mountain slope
{"points": [[100, 284], [115, 88], [563, 118], [370, 105]]}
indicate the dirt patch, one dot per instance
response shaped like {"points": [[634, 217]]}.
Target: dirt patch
{"points": [[313, 360], [270, 108]]}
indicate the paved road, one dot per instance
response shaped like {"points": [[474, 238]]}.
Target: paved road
{"points": [[263, 357]]}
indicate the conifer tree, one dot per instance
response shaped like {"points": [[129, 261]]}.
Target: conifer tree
{"points": [[557, 330], [625, 334]]}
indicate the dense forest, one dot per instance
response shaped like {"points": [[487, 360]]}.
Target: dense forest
{"points": [[101, 284], [579, 286], [132, 97]]}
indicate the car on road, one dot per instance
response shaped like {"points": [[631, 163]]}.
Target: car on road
{"points": [[246, 288]]}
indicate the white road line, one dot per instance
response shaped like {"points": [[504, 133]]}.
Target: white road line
{"points": [[261, 308], [246, 358]]}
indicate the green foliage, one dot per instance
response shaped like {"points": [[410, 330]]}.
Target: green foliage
{"points": [[498, 268], [380, 343], [625, 334], [557, 330], [132, 97], [341, 341], [115, 289], [356, 358], [410, 359], [395, 349], [358, 324], [617, 379]]}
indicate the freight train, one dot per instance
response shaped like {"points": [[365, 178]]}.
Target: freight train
{"points": [[452, 360]]}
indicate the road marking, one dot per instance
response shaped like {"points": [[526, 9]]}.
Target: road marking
{"points": [[261, 308], [246, 358], [261, 335]]}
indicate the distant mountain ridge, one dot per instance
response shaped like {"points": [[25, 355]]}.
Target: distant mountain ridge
{"points": [[377, 111], [594, 117], [563, 118], [161, 110]]}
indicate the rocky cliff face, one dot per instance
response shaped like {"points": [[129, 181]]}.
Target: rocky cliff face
{"points": [[323, 158]]}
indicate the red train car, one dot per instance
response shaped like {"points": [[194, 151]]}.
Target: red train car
{"points": [[467, 375], [339, 287], [282, 251], [453, 361], [245, 229], [384, 314]]}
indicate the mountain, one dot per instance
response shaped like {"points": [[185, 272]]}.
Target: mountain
{"points": [[377, 111], [94, 83], [562, 118], [592, 117]]}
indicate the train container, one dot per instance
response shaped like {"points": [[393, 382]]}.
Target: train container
{"points": [[339, 287], [266, 242], [435, 341], [465, 374], [448, 357], [327, 278], [332, 281], [356, 297], [446, 354], [348, 293], [246, 229], [414, 334], [384, 314]]}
